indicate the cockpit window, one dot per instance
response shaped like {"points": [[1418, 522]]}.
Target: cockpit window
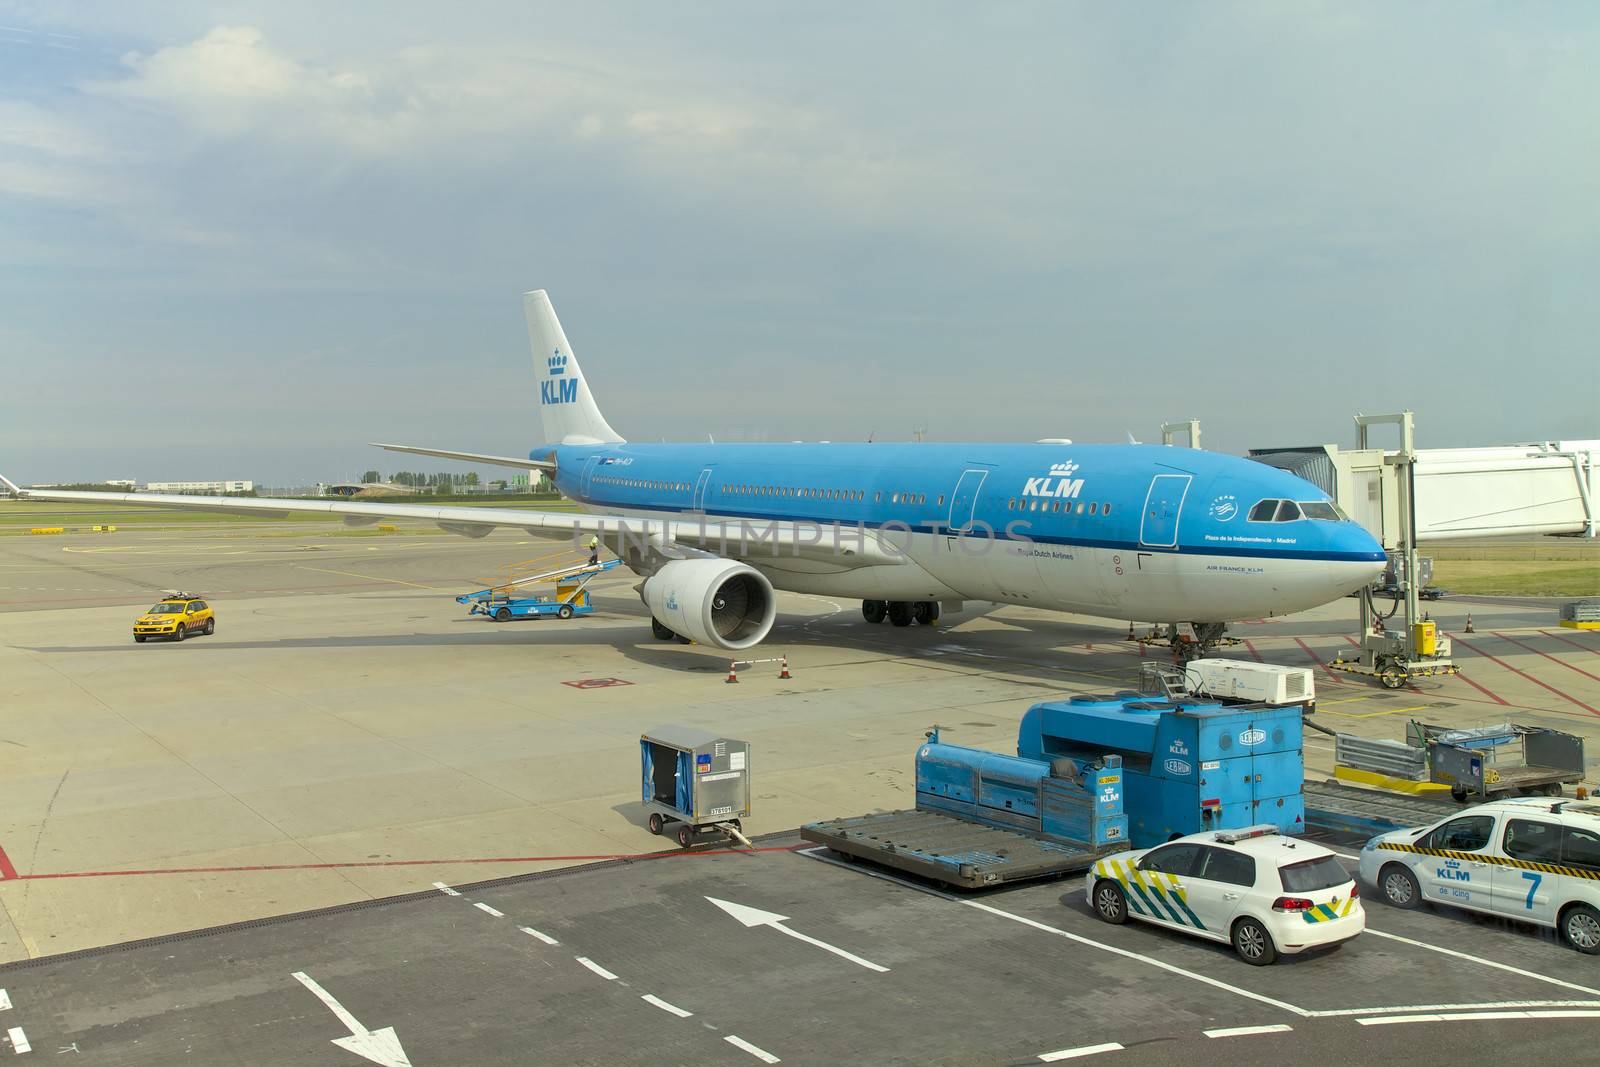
{"points": [[1264, 511], [1319, 509], [1288, 511]]}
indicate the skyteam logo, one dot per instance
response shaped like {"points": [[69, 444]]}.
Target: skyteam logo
{"points": [[1224, 508], [1058, 484], [564, 391]]}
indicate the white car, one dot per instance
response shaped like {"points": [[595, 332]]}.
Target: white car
{"points": [[1530, 858], [1255, 889]]}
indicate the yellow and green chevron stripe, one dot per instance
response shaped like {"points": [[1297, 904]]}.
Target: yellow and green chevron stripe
{"points": [[1500, 861], [1154, 893], [1321, 913]]}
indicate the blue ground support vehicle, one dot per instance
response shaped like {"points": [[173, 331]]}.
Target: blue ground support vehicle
{"points": [[502, 603]]}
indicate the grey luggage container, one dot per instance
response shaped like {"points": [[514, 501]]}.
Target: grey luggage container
{"points": [[696, 779]]}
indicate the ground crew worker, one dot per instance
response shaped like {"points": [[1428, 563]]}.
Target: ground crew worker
{"points": [[594, 550]]}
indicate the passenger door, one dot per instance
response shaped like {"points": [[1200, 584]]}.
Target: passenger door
{"points": [[1449, 871], [1158, 526], [1160, 880], [1218, 887], [1524, 893]]}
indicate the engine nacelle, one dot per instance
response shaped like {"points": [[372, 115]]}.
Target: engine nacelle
{"points": [[718, 602]]}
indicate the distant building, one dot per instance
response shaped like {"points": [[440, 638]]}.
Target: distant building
{"points": [[363, 489], [121, 483], [201, 487]]}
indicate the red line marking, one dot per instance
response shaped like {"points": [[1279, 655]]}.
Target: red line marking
{"points": [[1317, 659], [1529, 677], [1482, 690], [7, 872], [1252, 650], [1574, 644], [396, 863], [1547, 656]]}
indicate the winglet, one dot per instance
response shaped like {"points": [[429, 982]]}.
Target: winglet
{"points": [[16, 490]]}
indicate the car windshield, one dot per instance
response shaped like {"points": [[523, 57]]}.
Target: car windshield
{"points": [[1309, 876], [166, 609]]}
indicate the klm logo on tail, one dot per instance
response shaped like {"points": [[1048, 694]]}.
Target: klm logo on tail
{"points": [[554, 392]]}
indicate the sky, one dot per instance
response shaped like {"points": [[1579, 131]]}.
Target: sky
{"points": [[243, 240]]}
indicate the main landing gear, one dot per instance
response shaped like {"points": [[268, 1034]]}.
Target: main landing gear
{"points": [[1207, 637], [664, 633], [901, 612]]}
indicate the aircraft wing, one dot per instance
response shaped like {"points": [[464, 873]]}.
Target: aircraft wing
{"points": [[749, 539], [473, 457]]}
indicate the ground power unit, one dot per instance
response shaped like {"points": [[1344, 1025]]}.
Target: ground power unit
{"points": [[1265, 683]]}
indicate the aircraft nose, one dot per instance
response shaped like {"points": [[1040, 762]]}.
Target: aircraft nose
{"points": [[1359, 545]]}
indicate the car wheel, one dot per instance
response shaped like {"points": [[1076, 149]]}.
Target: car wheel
{"points": [[1110, 903], [139, 638], [180, 633], [565, 611], [211, 626], [900, 612], [874, 610], [1253, 943], [655, 823], [685, 835], [1580, 925], [502, 615], [1399, 886]]}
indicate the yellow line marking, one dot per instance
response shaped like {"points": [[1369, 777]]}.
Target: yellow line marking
{"points": [[1342, 700], [367, 577], [1373, 714]]}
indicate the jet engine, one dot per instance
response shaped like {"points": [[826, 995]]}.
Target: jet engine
{"points": [[718, 602]]}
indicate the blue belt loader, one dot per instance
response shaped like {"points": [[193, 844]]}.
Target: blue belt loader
{"points": [[1187, 767], [983, 818]]}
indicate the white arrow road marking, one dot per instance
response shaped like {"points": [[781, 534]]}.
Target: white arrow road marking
{"points": [[5, 1000], [756, 917], [380, 1046], [19, 1040]]}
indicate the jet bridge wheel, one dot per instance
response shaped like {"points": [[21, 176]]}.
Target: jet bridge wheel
{"points": [[1392, 675]]}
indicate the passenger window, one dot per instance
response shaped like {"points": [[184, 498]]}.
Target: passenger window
{"points": [[1080, 507], [1288, 511], [1094, 508], [1264, 511], [1172, 859], [1468, 834], [1528, 840], [940, 502], [1581, 848], [1105, 509], [1011, 505], [1224, 865], [877, 498], [894, 498]]}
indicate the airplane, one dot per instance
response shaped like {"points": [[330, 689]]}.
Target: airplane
{"points": [[1116, 531]]}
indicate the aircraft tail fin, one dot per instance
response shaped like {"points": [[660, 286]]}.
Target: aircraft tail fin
{"points": [[565, 404]]}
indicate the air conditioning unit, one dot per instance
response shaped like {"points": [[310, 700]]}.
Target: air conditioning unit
{"points": [[1266, 683]]}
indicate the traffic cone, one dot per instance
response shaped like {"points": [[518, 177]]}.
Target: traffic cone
{"points": [[783, 670], [1130, 636], [1469, 623], [733, 674]]}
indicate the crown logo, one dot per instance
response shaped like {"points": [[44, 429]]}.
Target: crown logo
{"points": [[1063, 470], [557, 363]]}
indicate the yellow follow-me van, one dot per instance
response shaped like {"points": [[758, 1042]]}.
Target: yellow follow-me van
{"points": [[177, 616]]}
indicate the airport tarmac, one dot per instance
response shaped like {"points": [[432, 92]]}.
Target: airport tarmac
{"points": [[350, 734]]}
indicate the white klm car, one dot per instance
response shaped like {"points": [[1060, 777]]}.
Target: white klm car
{"points": [[1254, 888], [1530, 858]]}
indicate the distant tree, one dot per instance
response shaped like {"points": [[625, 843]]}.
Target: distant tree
{"points": [[370, 477], [472, 477]]}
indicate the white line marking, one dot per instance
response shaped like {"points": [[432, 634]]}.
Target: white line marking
{"points": [[446, 890], [651, 998], [481, 906], [1075, 1053], [1432, 1009], [1486, 963], [761, 1054], [1478, 1016], [531, 932], [1245, 1031], [5, 1000], [596, 968], [19, 1041]]}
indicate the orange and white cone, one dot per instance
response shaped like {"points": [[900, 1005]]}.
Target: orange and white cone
{"points": [[1470, 630], [733, 673], [1130, 636], [783, 670]]}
